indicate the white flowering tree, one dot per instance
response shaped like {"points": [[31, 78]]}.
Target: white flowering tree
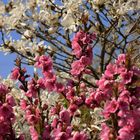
{"points": [[73, 42]]}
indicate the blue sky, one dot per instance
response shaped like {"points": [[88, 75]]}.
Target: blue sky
{"points": [[6, 64]]}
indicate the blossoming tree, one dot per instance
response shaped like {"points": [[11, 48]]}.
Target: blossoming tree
{"points": [[86, 79]]}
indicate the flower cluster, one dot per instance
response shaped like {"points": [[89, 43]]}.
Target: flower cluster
{"points": [[50, 83], [61, 126], [82, 49], [119, 92], [46, 120], [49, 79], [7, 116]]}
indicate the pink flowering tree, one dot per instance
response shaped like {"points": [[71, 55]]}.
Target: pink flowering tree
{"points": [[85, 83]]}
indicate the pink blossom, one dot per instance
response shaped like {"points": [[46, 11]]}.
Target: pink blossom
{"points": [[41, 83], [79, 136], [104, 84], [135, 101], [61, 136], [110, 107], [124, 107], [78, 100], [121, 69], [46, 133], [44, 62], [82, 85], [32, 89], [98, 96], [57, 131], [31, 93], [121, 59], [88, 53], [23, 104], [6, 119], [81, 46], [59, 87], [77, 67], [130, 124], [85, 38], [125, 96], [45, 107], [121, 87], [53, 111], [6, 111], [3, 89], [127, 76], [105, 132], [54, 122], [135, 121], [85, 60], [111, 70], [33, 133], [89, 101], [21, 137], [31, 119], [70, 83], [72, 108], [65, 116], [50, 86], [32, 115], [70, 93], [130, 119], [49, 77], [15, 73], [125, 134], [136, 70], [77, 50], [10, 100], [78, 35], [4, 128], [36, 101], [69, 130]]}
